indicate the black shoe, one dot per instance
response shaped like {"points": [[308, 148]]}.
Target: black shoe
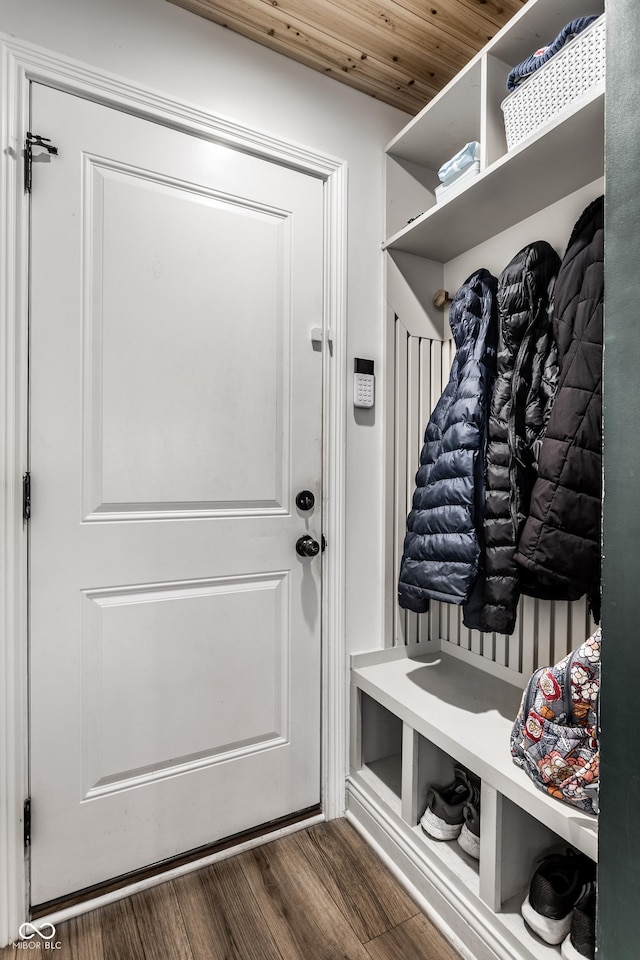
{"points": [[444, 817], [581, 942], [556, 887]]}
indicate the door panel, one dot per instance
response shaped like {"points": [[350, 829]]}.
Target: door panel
{"points": [[175, 369], [133, 678], [175, 412]]}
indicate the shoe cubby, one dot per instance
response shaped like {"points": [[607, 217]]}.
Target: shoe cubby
{"points": [[508, 877], [417, 712], [424, 766], [379, 751], [516, 830]]}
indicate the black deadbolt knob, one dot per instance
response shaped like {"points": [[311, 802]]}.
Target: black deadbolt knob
{"points": [[307, 547], [305, 500]]}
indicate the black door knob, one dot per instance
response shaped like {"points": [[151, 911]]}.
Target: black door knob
{"points": [[305, 500], [307, 547]]}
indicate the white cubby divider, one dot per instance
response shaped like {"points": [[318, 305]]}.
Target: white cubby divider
{"points": [[493, 141], [424, 765]]}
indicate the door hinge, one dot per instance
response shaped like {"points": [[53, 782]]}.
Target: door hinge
{"points": [[34, 140], [26, 497], [26, 822]]}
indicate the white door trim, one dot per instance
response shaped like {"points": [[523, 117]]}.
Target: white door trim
{"points": [[21, 63]]}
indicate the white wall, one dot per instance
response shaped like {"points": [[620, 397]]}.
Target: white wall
{"points": [[161, 46]]}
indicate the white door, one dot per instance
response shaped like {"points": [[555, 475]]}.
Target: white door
{"points": [[175, 414]]}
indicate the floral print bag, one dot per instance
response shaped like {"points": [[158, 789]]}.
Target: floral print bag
{"points": [[555, 735]]}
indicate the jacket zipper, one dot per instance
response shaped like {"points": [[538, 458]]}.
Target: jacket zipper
{"points": [[531, 692], [567, 691], [511, 426]]}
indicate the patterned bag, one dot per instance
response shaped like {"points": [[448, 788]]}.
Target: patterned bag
{"points": [[555, 735]]}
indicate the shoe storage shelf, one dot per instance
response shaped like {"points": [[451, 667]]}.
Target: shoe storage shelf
{"points": [[439, 694], [416, 713]]}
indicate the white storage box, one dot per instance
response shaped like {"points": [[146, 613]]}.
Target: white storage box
{"points": [[444, 190], [570, 74]]}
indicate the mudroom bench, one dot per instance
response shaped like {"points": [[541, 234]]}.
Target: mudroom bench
{"points": [[416, 711]]}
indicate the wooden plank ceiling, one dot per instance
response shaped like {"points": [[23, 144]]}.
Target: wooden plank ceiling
{"points": [[400, 51]]}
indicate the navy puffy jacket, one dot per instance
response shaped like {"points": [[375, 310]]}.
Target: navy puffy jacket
{"points": [[443, 545]]}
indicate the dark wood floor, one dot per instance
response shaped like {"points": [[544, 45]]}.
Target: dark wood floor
{"points": [[320, 894]]}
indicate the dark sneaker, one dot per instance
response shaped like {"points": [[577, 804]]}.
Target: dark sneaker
{"points": [[469, 838], [581, 942], [556, 887], [444, 816]]}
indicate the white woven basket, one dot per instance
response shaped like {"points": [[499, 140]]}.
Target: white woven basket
{"points": [[571, 73]]}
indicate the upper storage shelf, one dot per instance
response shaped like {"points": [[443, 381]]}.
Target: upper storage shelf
{"points": [[446, 124], [564, 155], [562, 158]]}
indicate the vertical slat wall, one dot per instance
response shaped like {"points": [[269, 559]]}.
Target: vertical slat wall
{"points": [[402, 457], [545, 631], [420, 370]]}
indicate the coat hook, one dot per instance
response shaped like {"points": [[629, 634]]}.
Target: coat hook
{"points": [[440, 298]]}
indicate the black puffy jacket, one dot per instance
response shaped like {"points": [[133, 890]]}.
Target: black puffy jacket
{"points": [[526, 382], [443, 545], [559, 547]]}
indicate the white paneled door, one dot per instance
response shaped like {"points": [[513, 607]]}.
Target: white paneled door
{"points": [[175, 406]]}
